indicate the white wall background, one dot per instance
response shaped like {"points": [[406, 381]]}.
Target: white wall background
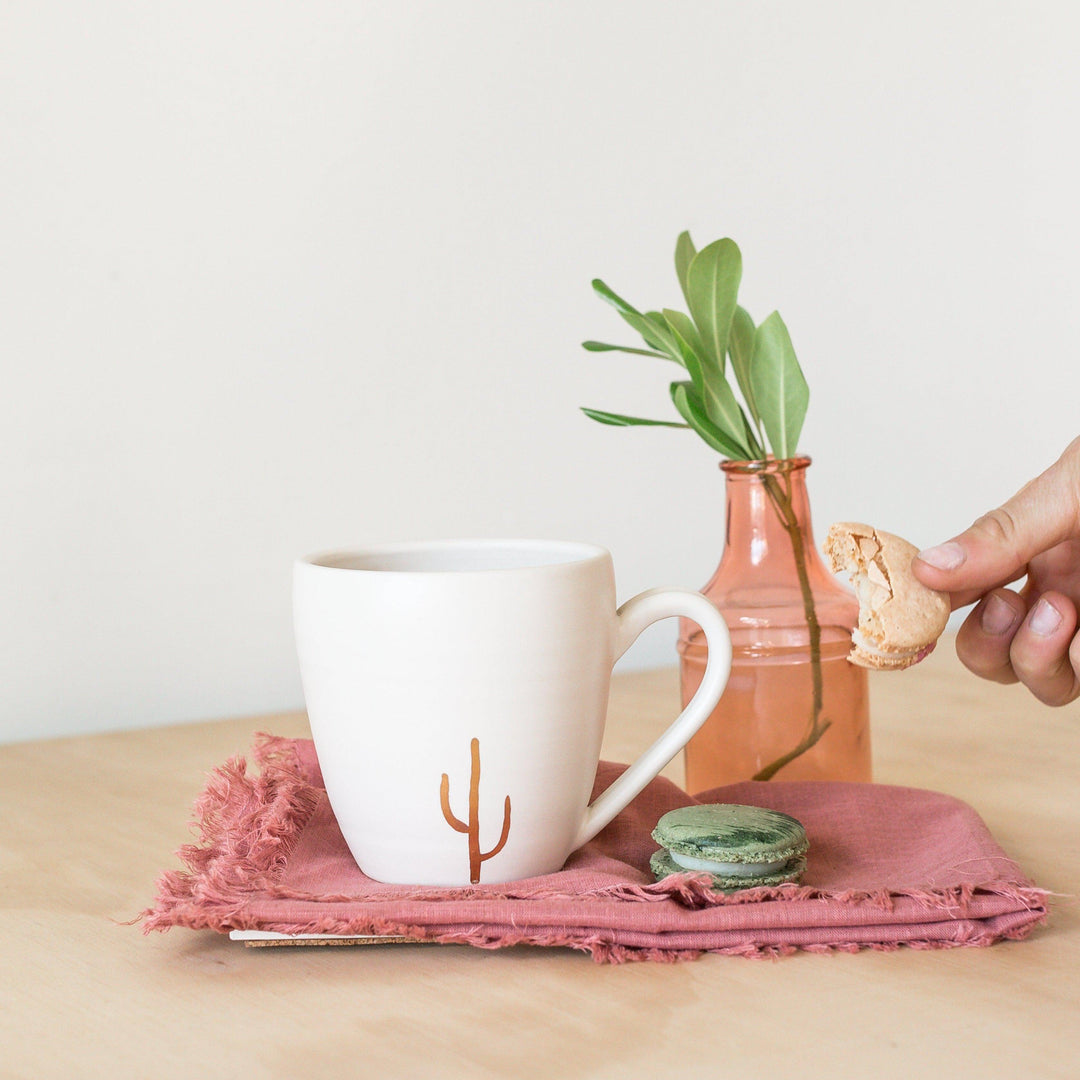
{"points": [[282, 277]]}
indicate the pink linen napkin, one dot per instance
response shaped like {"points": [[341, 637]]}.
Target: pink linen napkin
{"points": [[887, 866]]}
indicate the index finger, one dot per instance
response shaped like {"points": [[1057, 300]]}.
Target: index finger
{"points": [[997, 548]]}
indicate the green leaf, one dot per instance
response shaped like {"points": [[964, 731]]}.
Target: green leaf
{"points": [[723, 410], [719, 400], [684, 255], [757, 451], [779, 386], [684, 326], [691, 356], [741, 351], [617, 420], [662, 330], [654, 336], [613, 298], [600, 346], [692, 410], [712, 282]]}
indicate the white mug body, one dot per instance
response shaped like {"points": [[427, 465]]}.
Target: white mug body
{"points": [[457, 693]]}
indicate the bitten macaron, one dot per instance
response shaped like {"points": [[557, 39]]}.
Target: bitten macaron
{"points": [[900, 619], [741, 847]]}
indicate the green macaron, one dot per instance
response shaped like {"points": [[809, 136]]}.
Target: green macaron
{"points": [[740, 847]]}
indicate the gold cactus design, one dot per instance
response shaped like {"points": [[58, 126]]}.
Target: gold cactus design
{"points": [[476, 856]]}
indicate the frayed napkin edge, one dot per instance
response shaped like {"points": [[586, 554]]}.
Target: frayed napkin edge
{"points": [[248, 824]]}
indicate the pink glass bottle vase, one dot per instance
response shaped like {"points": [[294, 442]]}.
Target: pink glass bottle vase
{"points": [[794, 707]]}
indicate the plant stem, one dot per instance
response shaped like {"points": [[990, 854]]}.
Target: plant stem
{"points": [[817, 727]]}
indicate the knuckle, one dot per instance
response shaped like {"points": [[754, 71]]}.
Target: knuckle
{"points": [[998, 673], [1056, 695], [982, 658], [999, 526], [1053, 680]]}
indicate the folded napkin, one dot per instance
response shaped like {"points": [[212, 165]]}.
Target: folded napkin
{"points": [[887, 866]]}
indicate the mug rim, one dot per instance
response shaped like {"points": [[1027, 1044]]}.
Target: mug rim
{"points": [[568, 553]]}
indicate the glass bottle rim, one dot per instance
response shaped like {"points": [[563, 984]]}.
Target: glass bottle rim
{"points": [[769, 466]]}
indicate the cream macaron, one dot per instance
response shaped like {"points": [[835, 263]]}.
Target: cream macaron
{"points": [[900, 619]]}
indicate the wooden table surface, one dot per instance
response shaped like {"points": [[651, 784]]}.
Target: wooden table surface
{"points": [[89, 822]]}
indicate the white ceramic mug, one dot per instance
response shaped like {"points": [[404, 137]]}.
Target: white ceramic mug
{"points": [[457, 693]]}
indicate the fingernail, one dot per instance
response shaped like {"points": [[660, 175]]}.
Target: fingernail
{"points": [[997, 616], [945, 556], [1045, 619]]}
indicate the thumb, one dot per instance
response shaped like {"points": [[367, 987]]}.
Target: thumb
{"points": [[998, 547]]}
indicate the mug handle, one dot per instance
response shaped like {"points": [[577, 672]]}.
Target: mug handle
{"points": [[644, 609]]}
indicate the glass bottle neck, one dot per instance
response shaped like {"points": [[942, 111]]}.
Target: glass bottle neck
{"points": [[765, 506], [770, 573]]}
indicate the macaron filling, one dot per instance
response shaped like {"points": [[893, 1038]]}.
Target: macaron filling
{"points": [[864, 644], [727, 869]]}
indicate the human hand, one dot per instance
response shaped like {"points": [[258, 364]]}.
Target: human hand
{"points": [[1029, 635]]}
